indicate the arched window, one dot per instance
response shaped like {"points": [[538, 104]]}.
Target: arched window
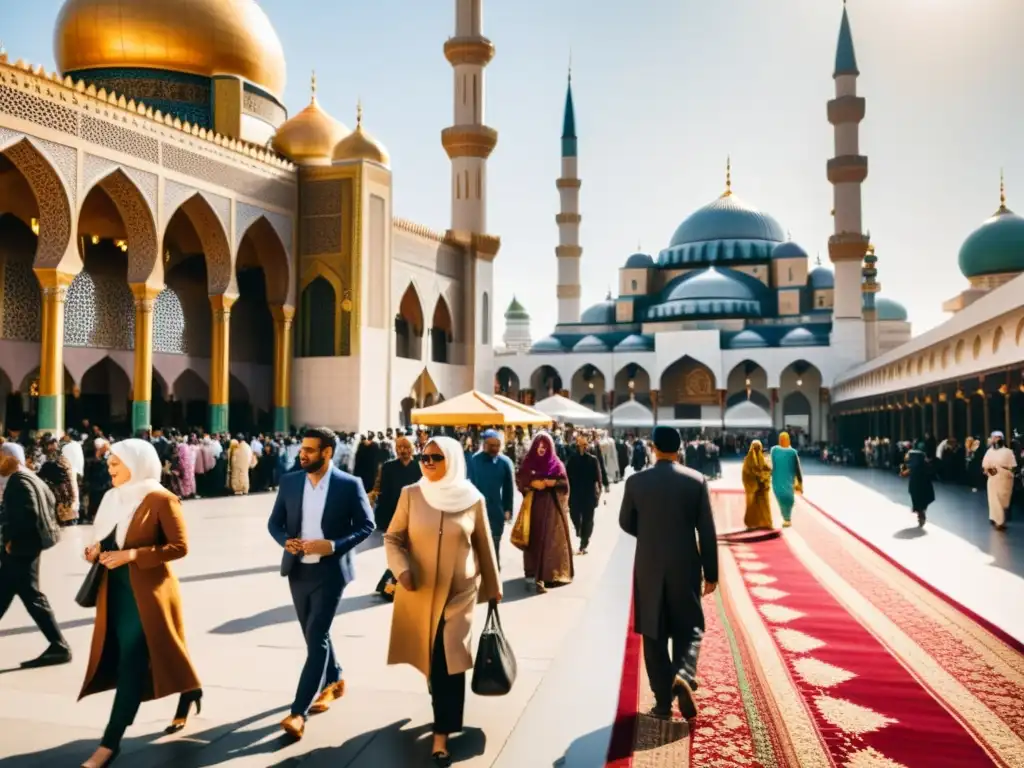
{"points": [[485, 322], [319, 308]]}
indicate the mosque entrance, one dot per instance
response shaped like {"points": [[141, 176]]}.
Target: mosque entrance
{"points": [[105, 398]]}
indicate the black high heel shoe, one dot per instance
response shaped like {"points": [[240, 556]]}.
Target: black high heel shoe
{"points": [[185, 702]]}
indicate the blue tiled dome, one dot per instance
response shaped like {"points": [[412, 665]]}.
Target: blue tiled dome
{"points": [[599, 314], [590, 344], [888, 310], [801, 337], [994, 247], [547, 344], [635, 343], [748, 339], [821, 278], [718, 292], [725, 230], [788, 250], [639, 261]]}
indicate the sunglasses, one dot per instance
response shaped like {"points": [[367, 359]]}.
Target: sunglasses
{"points": [[432, 458]]}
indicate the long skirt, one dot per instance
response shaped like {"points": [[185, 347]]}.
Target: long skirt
{"points": [[548, 557]]}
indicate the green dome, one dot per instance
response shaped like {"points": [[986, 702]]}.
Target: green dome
{"points": [[516, 311], [996, 246], [889, 310]]}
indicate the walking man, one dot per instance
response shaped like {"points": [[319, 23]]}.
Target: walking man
{"points": [[999, 464], [584, 474], [493, 474], [320, 515], [668, 509], [394, 475], [28, 525]]}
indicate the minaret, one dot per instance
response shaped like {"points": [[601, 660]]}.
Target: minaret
{"points": [[869, 287], [846, 172], [568, 251], [469, 142]]}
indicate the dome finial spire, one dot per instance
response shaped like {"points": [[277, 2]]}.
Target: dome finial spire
{"points": [[359, 114], [312, 86], [1002, 193], [728, 176]]}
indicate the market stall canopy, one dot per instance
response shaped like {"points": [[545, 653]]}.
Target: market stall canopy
{"points": [[565, 410], [476, 409], [544, 418], [632, 414], [747, 414]]}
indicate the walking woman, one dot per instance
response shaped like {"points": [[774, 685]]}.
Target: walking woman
{"points": [[787, 477], [138, 641], [922, 492], [757, 476], [439, 546], [547, 560]]}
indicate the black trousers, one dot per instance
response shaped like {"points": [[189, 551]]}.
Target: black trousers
{"points": [[19, 576], [497, 549], [447, 692], [316, 593], [662, 667], [126, 639], [583, 522]]}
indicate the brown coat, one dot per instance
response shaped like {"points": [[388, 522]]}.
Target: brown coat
{"points": [[451, 556], [157, 531]]}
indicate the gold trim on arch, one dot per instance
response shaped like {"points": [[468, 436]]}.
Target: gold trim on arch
{"points": [[316, 268]]}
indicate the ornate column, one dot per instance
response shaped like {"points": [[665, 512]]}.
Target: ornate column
{"points": [[142, 383], [220, 361], [51, 350], [282, 366]]}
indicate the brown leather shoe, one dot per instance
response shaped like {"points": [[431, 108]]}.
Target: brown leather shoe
{"points": [[294, 726], [327, 695]]}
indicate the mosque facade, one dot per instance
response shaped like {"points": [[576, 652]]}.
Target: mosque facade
{"points": [[176, 251], [730, 325]]}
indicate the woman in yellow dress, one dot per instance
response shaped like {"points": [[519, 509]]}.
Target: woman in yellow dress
{"points": [[757, 481]]}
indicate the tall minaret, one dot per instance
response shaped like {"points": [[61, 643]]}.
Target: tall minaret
{"points": [[846, 172], [469, 142], [869, 287], [568, 251]]}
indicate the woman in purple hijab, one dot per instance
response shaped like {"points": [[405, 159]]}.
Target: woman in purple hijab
{"points": [[547, 559]]}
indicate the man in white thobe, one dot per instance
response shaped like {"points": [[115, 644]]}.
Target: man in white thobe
{"points": [[999, 464]]}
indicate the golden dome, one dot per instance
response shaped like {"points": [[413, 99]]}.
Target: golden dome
{"points": [[359, 145], [198, 37], [310, 135]]}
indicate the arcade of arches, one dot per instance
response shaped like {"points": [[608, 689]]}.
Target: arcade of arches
{"points": [[410, 329], [688, 393], [107, 317]]}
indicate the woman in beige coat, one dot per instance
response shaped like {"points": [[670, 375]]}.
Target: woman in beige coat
{"points": [[440, 549]]}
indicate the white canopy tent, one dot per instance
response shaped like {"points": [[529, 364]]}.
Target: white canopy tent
{"points": [[632, 414], [747, 415], [562, 409]]}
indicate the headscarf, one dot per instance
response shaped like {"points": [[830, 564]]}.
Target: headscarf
{"points": [[784, 440], [537, 467], [15, 451], [754, 460], [453, 492], [119, 503]]}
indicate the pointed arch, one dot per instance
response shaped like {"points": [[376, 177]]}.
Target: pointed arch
{"points": [[409, 325], [272, 254], [545, 381], [632, 382], [588, 386], [310, 319], [506, 382], [688, 381], [53, 203], [104, 396], [136, 215], [190, 387], [212, 237], [442, 332]]}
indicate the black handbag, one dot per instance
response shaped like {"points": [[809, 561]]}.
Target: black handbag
{"points": [[495, 668], [90, 588]]}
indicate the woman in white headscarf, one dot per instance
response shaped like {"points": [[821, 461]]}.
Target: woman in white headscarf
{"points": [[439, 547], [138, 530]]}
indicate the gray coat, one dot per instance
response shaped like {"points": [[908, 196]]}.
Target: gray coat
{"points": [[668, 509]]}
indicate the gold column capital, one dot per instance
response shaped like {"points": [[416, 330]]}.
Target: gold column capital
{"points": [[50, 278], [145, 291], [222, 302], [282, 313]]}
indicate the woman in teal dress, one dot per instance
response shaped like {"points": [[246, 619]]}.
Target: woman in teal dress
{"points": [[787, 478]]}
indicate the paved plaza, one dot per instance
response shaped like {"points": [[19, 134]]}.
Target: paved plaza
{"points": [[247, 647]]}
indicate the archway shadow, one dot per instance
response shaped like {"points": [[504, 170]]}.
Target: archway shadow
{"points": [[200, 749], [392, 745], [286, 613]]}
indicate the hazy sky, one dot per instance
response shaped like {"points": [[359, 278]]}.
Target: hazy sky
{"points": [[664, 90]]}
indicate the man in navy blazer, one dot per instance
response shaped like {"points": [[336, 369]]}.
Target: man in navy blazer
{"points": [[320, 516]]}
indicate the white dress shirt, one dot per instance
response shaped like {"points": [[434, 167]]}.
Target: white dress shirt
{"points": [[314, 499]]}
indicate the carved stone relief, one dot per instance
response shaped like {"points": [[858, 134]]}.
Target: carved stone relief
{"points": [[136, 213], [51, 198]]}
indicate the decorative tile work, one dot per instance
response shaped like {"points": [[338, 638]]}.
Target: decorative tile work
{"points": [[52, 199], [175, 194], [169, 324], [321, 235], [129, 189], [120, 139], [38, 111], [22, 310], [321, 198], [263, 108], [99, 312], [185, 96], [219, 270], [246, 214], [96, 168], [273, 192], [63, 158]]}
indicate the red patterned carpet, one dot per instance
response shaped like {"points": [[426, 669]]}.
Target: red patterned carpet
{"points": [[820, 651]]}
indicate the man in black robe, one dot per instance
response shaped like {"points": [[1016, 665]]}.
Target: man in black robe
{"points": [[366, 462], [584, 474], [668, 510], [394, 475]]}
